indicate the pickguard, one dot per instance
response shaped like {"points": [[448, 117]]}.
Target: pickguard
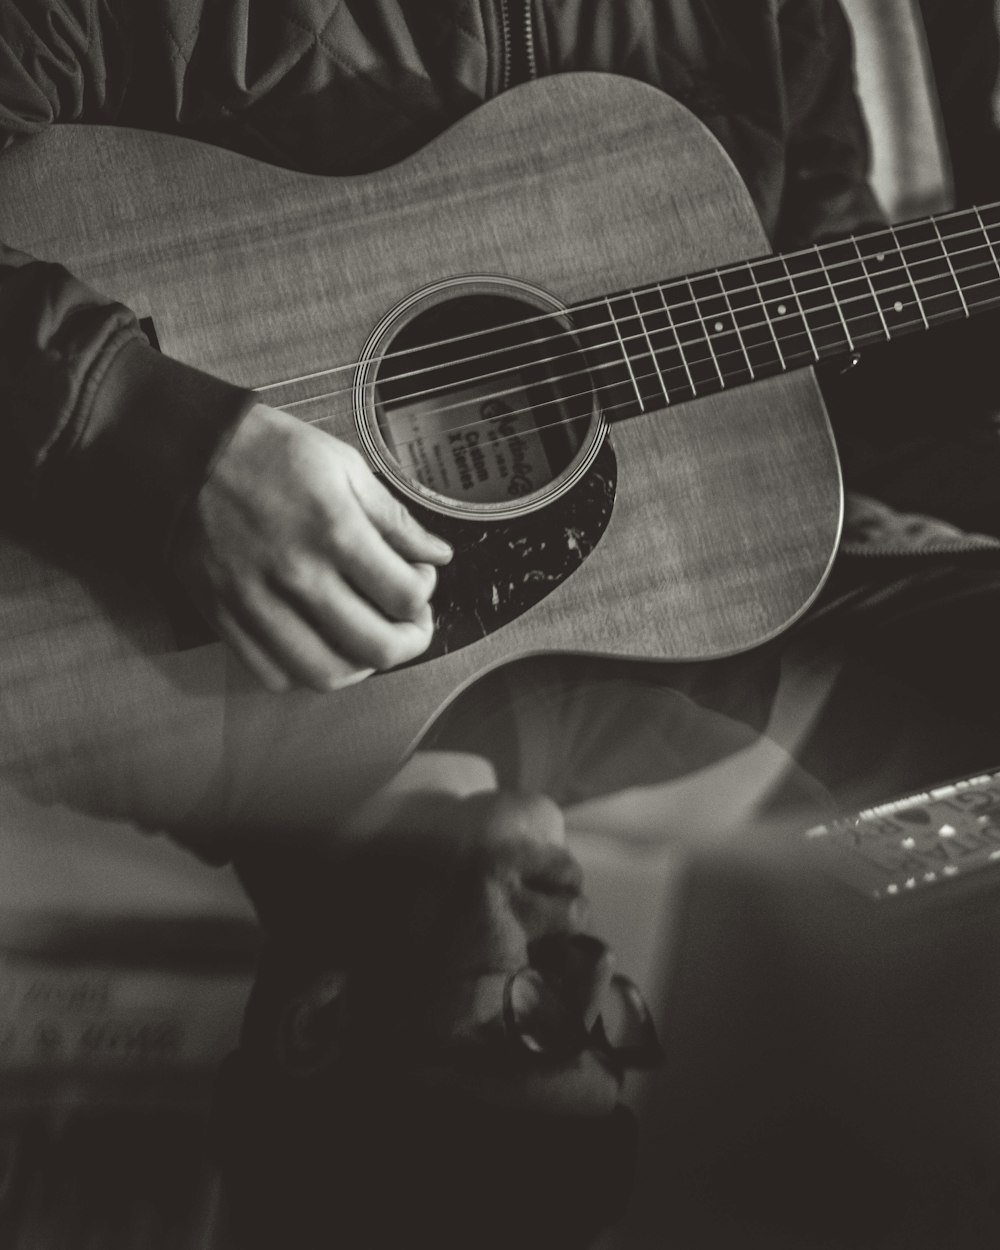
{"points": [[502, 568]]}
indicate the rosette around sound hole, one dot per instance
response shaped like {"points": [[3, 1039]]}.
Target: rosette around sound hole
{"points": [[484, 401]]}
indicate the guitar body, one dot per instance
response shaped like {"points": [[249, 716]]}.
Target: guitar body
{"points": [[722, 513]]}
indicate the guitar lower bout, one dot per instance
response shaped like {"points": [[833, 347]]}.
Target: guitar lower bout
{"points": [[702, 525]]}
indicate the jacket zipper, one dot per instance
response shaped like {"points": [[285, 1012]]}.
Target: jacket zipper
{"points": [[517, 43], [530, 61], [503, 14]]}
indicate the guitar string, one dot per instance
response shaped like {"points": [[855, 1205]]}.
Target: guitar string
{"points": [[785, 281], [713, 388], [627, 404], [650, 333], [605, 409], [718, 355], [893, 231]]}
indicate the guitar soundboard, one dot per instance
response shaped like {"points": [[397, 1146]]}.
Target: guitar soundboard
{"points": [[915, 843]]}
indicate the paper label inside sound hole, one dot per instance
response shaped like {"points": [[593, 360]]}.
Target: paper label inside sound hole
{"points": [[481, 443]]}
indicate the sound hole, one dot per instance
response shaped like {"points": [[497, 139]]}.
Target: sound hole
{"points": [[483, 399]]}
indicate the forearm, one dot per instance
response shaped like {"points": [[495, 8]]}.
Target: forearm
{"points": [[91, 417], [93, 414]]}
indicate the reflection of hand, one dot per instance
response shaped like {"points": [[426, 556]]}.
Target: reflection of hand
{"points": [[449, 890], [376, 1047], [305, 564]]}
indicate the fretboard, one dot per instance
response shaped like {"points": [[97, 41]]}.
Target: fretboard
{"points": [[688, 337]]}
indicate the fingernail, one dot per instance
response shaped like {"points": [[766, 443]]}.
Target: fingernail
{"points": [[441, 548]]}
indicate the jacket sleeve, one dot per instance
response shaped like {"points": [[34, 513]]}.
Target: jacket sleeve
{"points": [[907, 435], [90, 414], [827, 192], [965, 57]]}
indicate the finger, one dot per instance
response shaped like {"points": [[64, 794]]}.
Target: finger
{"points": [[397, 525], [401, 591], [350, 624], [292, 645]]}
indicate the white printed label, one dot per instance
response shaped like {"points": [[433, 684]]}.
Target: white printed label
{"points": [[480, 444]]}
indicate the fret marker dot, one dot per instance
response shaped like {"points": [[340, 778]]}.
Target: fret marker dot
{"points": [[718, 327], [782, 310], [898, 306], [880, 257]]}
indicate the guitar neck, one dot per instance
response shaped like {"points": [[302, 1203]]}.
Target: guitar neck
{"points": [[672, 341]]}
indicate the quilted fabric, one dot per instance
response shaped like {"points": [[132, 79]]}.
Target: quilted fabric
{"points": [[345, 86]]}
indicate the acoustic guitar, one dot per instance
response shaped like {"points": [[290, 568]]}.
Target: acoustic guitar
{"points": [[542, 330]]}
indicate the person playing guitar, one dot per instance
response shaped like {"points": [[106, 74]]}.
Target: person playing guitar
{"points": [[289, 544], [294, 549]]}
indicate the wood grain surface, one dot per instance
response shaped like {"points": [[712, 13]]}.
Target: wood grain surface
{"points": [[728, 508]]}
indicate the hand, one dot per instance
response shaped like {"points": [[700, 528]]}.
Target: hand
{"points": [[304, 563]]}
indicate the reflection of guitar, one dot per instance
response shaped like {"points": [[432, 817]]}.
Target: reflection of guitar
{"points": [[702, 523]]}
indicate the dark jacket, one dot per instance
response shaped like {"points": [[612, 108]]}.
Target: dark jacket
{"points": [[343, 87]]}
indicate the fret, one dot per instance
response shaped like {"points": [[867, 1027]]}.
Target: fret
{"points": [[692, 337], [871, 286], [909, 277], [628, 362], [700, 320], [607, 360], [636, 351], [746, 300], [735, 323], [951, 267], [937, 291], [853, 292], [784, 316], [819, 307], [721, 330], [899, 305], [972, 258], [834, 296], [669, 354], [986, 235], [649, 344]]}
